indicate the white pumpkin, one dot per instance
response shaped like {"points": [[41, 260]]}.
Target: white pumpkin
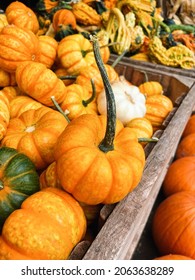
{"points": [[130, 102]]}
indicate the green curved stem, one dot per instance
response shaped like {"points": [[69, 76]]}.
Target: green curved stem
{"points": [[59, 108], [107, 142], [88, 101]]}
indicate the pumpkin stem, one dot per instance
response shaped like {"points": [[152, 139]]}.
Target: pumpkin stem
{"points": [[68, 77], [1, 185], [107, 143], [59, 108], [148, 140], [88, 101], [118, 59]]}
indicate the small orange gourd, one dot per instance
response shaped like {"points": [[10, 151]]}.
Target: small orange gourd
{"points": [[48, 50], [186, 146], [48, 226]]}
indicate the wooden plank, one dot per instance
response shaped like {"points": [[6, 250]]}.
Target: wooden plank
{"points": [[118, 237]]}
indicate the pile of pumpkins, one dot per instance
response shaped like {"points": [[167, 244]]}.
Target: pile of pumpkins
{"points": [[67, 147], [174, 219]]}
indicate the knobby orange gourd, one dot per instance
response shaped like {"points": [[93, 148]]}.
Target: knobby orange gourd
{"points": [[98, 160]]}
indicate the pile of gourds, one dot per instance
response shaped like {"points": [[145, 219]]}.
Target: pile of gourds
{"points": [[62, 151]]}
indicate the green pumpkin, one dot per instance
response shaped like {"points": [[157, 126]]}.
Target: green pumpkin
{"points": [[18, 180]]}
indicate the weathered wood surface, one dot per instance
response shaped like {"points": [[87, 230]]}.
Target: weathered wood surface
{"points": [[156, 67], [122, 230]]}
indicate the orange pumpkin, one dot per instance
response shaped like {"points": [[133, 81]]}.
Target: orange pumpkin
{"points": [[3, 20], [22, 16], [172, 257], [7, 79], [173, 225], [40, 83], [106, 161], [11, 92], [48, 49], [63, 17], [35, 133], [4, 114], [142, 127], [180, 176], [92, 72], [17, 45], [48, 226], [157, 109], [48, 177], [74, 53], [63, 74], [190, 126], [151, 88], [78, 101], [22, 103], [186, 146]]}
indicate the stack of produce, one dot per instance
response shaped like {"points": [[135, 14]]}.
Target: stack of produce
{"points": [[80, 153]]}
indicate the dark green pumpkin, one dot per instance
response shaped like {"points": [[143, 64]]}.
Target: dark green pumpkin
{"points": [[18, 180]]}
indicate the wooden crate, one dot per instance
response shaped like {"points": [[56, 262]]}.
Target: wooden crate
{"points": [[121, 226]]}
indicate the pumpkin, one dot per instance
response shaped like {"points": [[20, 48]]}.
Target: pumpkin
{"points": [[106, 161], [11, 92], [35, 133], [22, 16], [130, 102], [64, 18], [63, 75], [4, 114], [92, 72], [151, 88], [180, 176], [190, 126], [157, 109], [3, 20], [186, 146], [173, 225], [39, 82], [48, 226], [48, 50], [18, 180], [7, 79], [78, 101], [74, 53], [172, 257], [17, 45], [48, 178], [142, 127], [22, 103]]}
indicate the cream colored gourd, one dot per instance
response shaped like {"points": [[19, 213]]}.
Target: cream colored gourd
{"points": [[130, 102]]}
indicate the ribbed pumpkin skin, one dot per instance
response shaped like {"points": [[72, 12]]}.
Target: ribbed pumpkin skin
{"points": [[18, 180], [186, 146], [151, 88], [22, 16], [92, 72], [180, 176], [72, 54], [48, 49], [47, 227], [35, 133], [174, 225], [93, 176], [40, 83], [17, 45], [4, 114], [74, 100]]}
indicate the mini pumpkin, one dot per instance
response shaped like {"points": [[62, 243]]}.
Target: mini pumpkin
{"points": [[17, 45], [18, 180], [48, 50], [78, 101], [106, 161], [190, 126], [40, 83], [7, 79], [35, 133], [4, 114], [22, 16], [74, 53], [48, 226], [186, 146]]}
